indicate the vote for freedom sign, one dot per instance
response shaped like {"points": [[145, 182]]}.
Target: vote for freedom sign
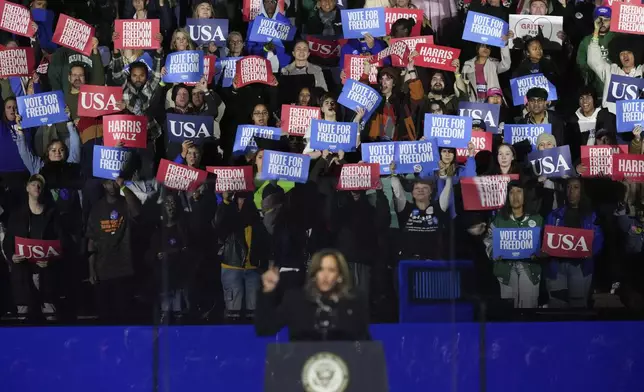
{"points": [[137, 33], [41, 109], [297, 119], [522, 84], [74, 34], [38, 250], [485, 192], [359, 176], [108, 161], [419, 157], [516, 243], [180, 177], [246, 134], [271, 30], [484, 29], [629, 114], [232, 178], [355, 94], [285, 166], [129, 129], [383, 154], [333, 136], [515, 133], [17, 62], [358, 22], [15, 19], [184, 66], [449, 131]]}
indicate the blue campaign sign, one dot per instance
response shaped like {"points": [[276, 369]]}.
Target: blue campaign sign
{"points": [[184, 66], [515, 133], [358, 22], [552, 163], [417, 157], [516, 243], [629, 114], [181, 127], [333, 136], [226, 68], [382, 153], [246, 134], [449, 131], [624, 88], [355, 94], [487, 112], [485, 29], [204, 31], [270, 30], [42, 109], [285, 166], [108, 161], [145, 59], [522, 84]]}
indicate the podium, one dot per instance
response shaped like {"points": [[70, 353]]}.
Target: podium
{"points": [[325, 367]]}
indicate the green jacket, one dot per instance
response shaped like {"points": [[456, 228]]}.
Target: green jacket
{"points": [[503, 268], [63, 58], [582, 60]]}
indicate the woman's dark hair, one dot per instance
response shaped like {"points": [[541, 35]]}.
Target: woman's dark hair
{"points": [[623, 43], [440, 104], [4, 105], [50, 144], [324, 97], [176, 88], [585, 205], [506, 210]]}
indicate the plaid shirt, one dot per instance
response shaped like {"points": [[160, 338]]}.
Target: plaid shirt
{"points": [[138, 101]]}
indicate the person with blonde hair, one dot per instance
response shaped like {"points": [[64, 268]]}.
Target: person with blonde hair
{"points": [[326, 308]]}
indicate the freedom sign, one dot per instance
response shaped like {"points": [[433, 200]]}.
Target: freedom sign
{"points": [[208, 69], [381, 153], [515, 133], [232, 178], [629, 114], [412, 43], [17, 62], [285, 166], [96, 101], [246, 134], [137, 33], [38, 250], [297, 119], [532, 25], [416, 157], [204, 31], [627, 18], [598, 160], [333, 136], [628, 167], [182, 127], [522, 84], [434, 56], [253, 69], [398, 49], [129, 129], [449, 131], [40, 109], [74, 34], [484, 29], [393, 14], [487, 112], [180, 177], [485, 193], [354, 67], [567, 242], [225, 70], [355, 94], [482, 142], [184, 66], [516, 243], [552, 163], [624, 88], [358, 22], [108, 161], [359, 177], [270, 30], [252, 8], [15, 19], [325, 49]]}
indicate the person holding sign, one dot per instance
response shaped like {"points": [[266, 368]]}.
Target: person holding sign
{"points": [[535, 62], [35, 221], [537, 113], [301, 65], [77, 77], [569, 280], [505, 162], [549, 192], [275, 53], [325, 21], [481, 72], [366, 46], [518, 279]]}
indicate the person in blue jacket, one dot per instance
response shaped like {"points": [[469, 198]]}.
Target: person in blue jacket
{"points": [[273, 51], [569, 280], [44, 18], [367, 46]]}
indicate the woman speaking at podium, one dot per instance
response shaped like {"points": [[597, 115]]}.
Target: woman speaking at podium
{"points": [[327, 308]]}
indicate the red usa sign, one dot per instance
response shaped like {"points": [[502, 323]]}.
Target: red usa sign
{"points": [[567, 242], [38, 250], [482, 142], [233, 178], [393, 14], [325, 49], [96, 101]]}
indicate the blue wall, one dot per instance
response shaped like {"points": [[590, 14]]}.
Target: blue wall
{"points": [[530, 357]]}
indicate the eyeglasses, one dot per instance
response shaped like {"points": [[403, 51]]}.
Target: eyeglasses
{"points": [[264, 113]]}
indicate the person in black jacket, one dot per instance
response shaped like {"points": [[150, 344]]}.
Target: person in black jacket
{"points": [[328, 308], [538, 114]]}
